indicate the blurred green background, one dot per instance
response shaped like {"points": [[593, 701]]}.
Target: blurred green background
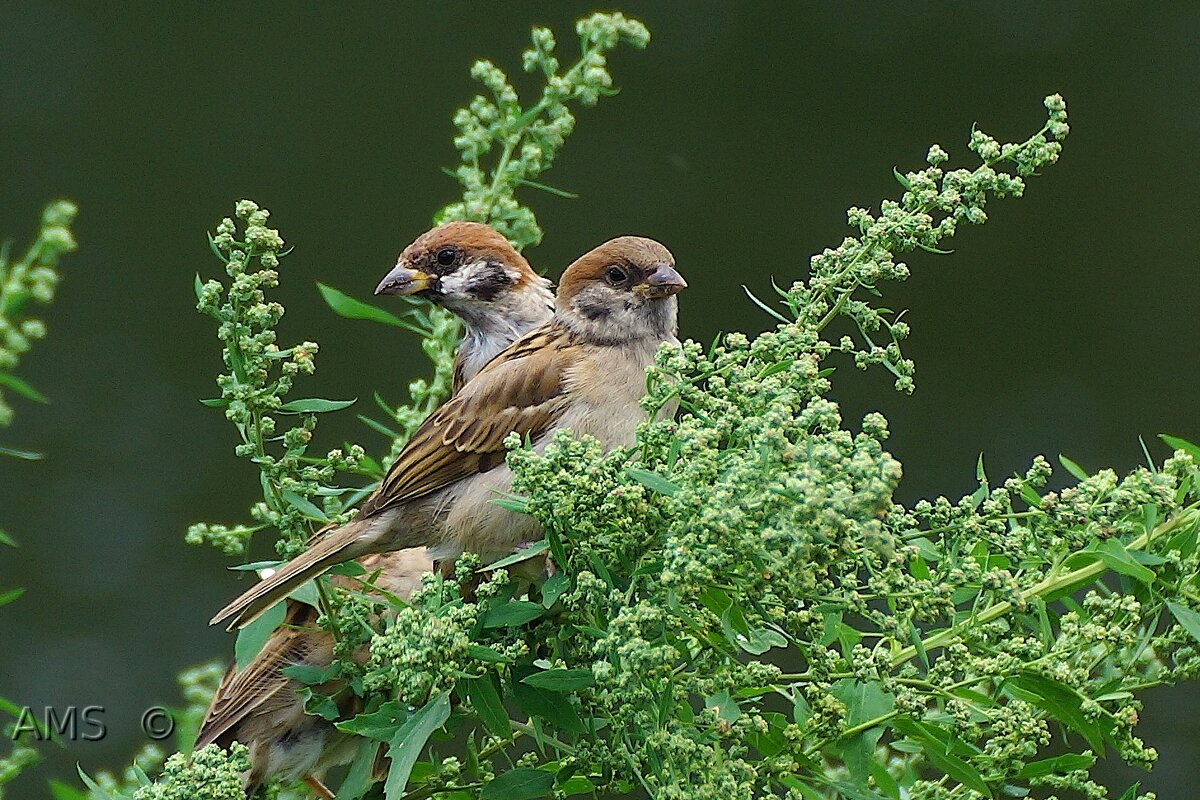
{"points": [[1067, 324]]}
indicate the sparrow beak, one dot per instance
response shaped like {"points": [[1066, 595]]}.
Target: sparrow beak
{"points": [[664, 281], [404, 281]]}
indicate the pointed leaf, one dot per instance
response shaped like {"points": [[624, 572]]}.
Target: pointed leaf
{"points": [[560, 680], [21, 387], [1176, 443], [410, 739], [486, 702], [1117, 558], [346, 306], [304, 506], [1189, 619], [509, 615], [315, 405], [652, 481], [522, 783], [1070, 466]]}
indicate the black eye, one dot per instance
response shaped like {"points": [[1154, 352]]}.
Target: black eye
{"points": [[446, 256], [615, 275]]}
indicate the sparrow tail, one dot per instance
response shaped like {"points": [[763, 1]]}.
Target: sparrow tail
{"points": [[327, 551]]}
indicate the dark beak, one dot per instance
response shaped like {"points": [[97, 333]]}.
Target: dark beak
{"points": [[405, 281], [664, 281]]}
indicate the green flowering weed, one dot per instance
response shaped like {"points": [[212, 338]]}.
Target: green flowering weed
{"points": [[737, 605]]}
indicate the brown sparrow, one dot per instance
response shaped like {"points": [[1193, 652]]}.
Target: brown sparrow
{"points": [[259, 706], [583, 370], [472, 271]]}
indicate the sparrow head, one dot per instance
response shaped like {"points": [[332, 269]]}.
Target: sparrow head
{"points": [[622, 290], [463, 266]]}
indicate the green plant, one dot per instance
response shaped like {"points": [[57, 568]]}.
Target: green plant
{"points": [[33, 278], [739, 608]]}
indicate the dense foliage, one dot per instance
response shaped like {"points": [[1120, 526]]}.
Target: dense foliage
{"points": [[739, 608]]}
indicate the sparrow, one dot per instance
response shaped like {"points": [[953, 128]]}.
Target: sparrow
{"points": [[583, 370], [260, 707], [475, 273], [472, 271]]}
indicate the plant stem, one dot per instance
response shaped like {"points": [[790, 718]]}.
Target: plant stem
{"points": [[1050, 584]]}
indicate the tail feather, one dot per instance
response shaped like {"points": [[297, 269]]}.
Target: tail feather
{"points": [[328, 551]]}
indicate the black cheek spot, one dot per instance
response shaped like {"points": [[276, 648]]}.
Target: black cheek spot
{"points": [[594, 311], [490, 285]]}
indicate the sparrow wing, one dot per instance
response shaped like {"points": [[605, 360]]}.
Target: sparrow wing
{"points": [[244, 693], [521, 390]]}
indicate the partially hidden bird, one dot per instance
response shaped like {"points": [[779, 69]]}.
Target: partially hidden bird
{"points": [[260, 706], [583, 370]]}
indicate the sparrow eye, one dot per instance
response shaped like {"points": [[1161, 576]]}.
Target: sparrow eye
{"points": [[446, 256], [615, 275]]}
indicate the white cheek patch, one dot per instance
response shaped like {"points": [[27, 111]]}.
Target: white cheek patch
{"points": [[459, 282]]}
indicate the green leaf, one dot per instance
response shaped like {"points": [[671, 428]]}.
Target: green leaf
{"points": [[307, 593], [727, 708], [61, 791], [486, 702], [1189, 619], [304, 506], [380, 724], [310, 674], [5, 539], [346, 306], [1117, 558], [1069, 762], [535, 549], [765, 307], [550, 189], [485, 654], [359, 779], [410, 739], [319, 705], [552, 707], [1132, 792], [1070, 466], [250, 639], [560, 680], [522, 783], [1062, 702], [755, 641], [10, 595], [865, 701], [21, 387], [509, 615], [652, 481], [939, 755], [900, 179], [255, 566], [928, 248], [554, 587], [1175, 443], [197, 284], [96, 789], [24, 455], [215, 402], [315, 405]]}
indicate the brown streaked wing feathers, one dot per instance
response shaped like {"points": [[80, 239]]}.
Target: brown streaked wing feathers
{"points": [[519, 390], [241, 693]]}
